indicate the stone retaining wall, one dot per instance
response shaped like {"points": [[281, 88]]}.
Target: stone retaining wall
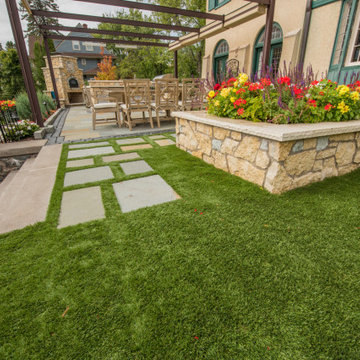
{"points": [[277, 166]]}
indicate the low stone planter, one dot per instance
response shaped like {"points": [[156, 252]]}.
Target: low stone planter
{"points": [[277, 157]]}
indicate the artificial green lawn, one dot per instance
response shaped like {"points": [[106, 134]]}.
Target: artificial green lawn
{"points": [[256, 276]]}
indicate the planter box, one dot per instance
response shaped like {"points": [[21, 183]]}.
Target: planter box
{"points": [[277, 157]]}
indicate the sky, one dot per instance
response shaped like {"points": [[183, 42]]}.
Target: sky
{"points": [[70, 6]]}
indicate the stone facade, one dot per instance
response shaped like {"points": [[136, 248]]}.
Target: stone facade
{"points": [[65, 68], [277, 166]]}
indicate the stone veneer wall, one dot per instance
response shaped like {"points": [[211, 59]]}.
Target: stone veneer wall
{"points": [[276, 166]]}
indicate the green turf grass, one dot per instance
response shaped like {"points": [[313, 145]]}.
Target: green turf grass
{"points": [[256, 276]]}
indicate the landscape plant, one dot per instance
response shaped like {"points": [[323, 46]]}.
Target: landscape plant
{"points": [[285, 99]]}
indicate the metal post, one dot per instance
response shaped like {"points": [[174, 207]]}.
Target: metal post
{"points": [[268, 32], [176, 64], [24, 60], [51, 68]]}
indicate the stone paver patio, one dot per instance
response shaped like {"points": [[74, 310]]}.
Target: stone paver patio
{"points": [[85, 204], [78, 126]]}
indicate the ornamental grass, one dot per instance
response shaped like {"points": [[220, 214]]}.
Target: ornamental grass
{"points": [[285, 99]]}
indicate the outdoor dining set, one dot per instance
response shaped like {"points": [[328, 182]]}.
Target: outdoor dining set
{"points": [[129, 97]]}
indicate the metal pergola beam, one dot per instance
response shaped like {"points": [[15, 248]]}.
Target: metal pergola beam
{"points": [[102, 19], [261, 2], [107, 41], [24, 60], [107, 32], [157, 8]]}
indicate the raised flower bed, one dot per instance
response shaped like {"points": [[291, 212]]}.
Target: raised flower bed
{"points": [[282, 153]]}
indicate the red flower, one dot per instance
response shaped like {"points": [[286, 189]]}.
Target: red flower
{"points": [[265, 82], [196, 338], [240, 91], [240, 111], [314, 83], [328, 107], [239, 102], [217, 86], [231, 81], [321, 93], [312, 103], [284, 80]]}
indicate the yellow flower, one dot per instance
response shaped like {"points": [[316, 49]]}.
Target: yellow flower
{"points": [[343, 107], [243, 78], [236, 84], [211, 94], [234, 90], [217, 103], [355, 96], [342, 90], [232, 99], [225, 92]]}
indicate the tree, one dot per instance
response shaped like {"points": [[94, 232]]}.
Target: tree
{"points": [[38, 63], [9, 45], [107, 71], [32, 28], [11, 80]]}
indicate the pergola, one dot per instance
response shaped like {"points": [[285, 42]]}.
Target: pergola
{"points": [[216, 23]]}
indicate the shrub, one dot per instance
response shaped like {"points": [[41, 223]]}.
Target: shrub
{"points": [[23, 105], [22, 129], [285, 100]]}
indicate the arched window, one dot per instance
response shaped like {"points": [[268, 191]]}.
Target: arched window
{"points": [[73, 83], [275, 50], [221, 55]]}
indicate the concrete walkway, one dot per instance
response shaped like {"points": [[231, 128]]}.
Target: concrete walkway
{"points": [[25, 194], [78, 126]]}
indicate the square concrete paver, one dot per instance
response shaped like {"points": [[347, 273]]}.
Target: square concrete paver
{"points": [[73, 154], [173, 135], [136, 167], [88, 145], [120, 157], [136, 147], [143, 192], [165, 142], [82, 205], [88, 175], [78, 163], [130, 141]]}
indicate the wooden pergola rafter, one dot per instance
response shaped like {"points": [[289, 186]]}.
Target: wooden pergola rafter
{"points": [[223, 22]]}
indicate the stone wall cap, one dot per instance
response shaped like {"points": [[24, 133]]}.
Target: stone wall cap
{"points": [[278, 132]]}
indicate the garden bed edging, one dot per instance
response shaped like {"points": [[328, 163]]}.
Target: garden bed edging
{"points": [[277, 157]]}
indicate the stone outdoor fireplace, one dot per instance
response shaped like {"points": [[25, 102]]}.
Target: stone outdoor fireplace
{"points": [[69, 79]]}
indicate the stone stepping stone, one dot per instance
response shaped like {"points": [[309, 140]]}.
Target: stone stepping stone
{"points": [[82, 205], [130, 141], [73, 154], [143, 192], [135, 147], [165, 142], [157, 137], [173, 135], [78, 163], [136, 167], [88, 175], [88, 145], [121, 157]]}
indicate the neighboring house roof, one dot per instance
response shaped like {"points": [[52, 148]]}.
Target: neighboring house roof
{"points": [[66, 46], [92, 71]]}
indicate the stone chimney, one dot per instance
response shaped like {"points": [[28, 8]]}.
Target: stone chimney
{"points": [[85, 26]]}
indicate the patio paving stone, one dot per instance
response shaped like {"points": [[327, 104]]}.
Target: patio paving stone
{"points": [[136, 167], [88, 145], [165, 142], [120, 157], [174, 135], [77, 163], [88, 175], [157, 137], [82, 205], [130, 141], [135, 147], [90, 152], [143, 192]]}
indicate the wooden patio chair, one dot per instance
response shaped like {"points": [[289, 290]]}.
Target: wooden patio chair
{"points": [[137, 99], [166, 98], [193, 94], [105, 108]]}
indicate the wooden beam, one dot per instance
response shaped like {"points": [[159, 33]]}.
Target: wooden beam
{"points": [[268, 33], [261, 2], [27, 6], [107, 32], [102, 19], [107, 41], [156, 8], [176, 64]]}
